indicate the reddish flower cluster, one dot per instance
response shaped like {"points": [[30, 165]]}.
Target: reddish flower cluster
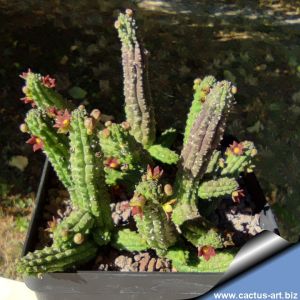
{"points": [[62, 120], [36, 142], [48, 82], [207, 252], [154, 173], [26, 99], [236, 148]]}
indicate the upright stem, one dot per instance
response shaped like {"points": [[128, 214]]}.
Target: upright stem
{"points": [[138, 103]]}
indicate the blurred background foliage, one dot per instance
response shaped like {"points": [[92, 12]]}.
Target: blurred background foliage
{"points": [[255, 44]]}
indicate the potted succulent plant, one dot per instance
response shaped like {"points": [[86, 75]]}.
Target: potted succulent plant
{"points": [[170, 196]]}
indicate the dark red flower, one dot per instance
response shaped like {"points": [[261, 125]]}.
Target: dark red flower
{"points": [[52, 112], [48, 81], [207, 252], [28, 100], [154, 173], [36, 142], [112, 163], [137, 210], [237, 195], [25, 74], [63, 121], [237, 148], [137, 203]]}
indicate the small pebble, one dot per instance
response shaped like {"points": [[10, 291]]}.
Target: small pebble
{"points": [[151, 265], [137, 257]]}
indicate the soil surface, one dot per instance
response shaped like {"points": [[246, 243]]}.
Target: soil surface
{"points": [[238, 222]]}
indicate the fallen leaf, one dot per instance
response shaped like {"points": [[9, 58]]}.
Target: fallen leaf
{"points": [[19, 162]]}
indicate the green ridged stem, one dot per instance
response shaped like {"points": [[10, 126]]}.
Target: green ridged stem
{"points": [[54, 259], [128, 240], [201, 236], [213, 164], [201, 90], [236, 164], [181, 261], [56, 146], [87, 172], [77, 222], [153, 225], [205, 135], [116, 142], [163, 154], [43, 96], [220, 187], [167, 138], [138, 103], [186, 194]]}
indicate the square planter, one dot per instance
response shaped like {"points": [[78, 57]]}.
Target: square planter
{"points": [[127, 285]]}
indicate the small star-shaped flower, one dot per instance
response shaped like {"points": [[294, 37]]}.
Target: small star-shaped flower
{"points": [[237, 148], [154, 173], [112, 163], [48, 82], [25, 74], [28, 100], [207, 252], [237, 195], [51, 225], [63, 121], [36, 142]]}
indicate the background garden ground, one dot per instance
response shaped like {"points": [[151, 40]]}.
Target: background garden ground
{"points": [[255, 44]]}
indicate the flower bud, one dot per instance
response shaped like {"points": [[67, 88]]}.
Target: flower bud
{"points": [[168, 189], [106, 133], [253, 152], [197, 81], [96, 114], [89, 124], [117, 24], [129, 12], [24, 127], [108, 123], [234, 90], [78, 238], [25, 89]]}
